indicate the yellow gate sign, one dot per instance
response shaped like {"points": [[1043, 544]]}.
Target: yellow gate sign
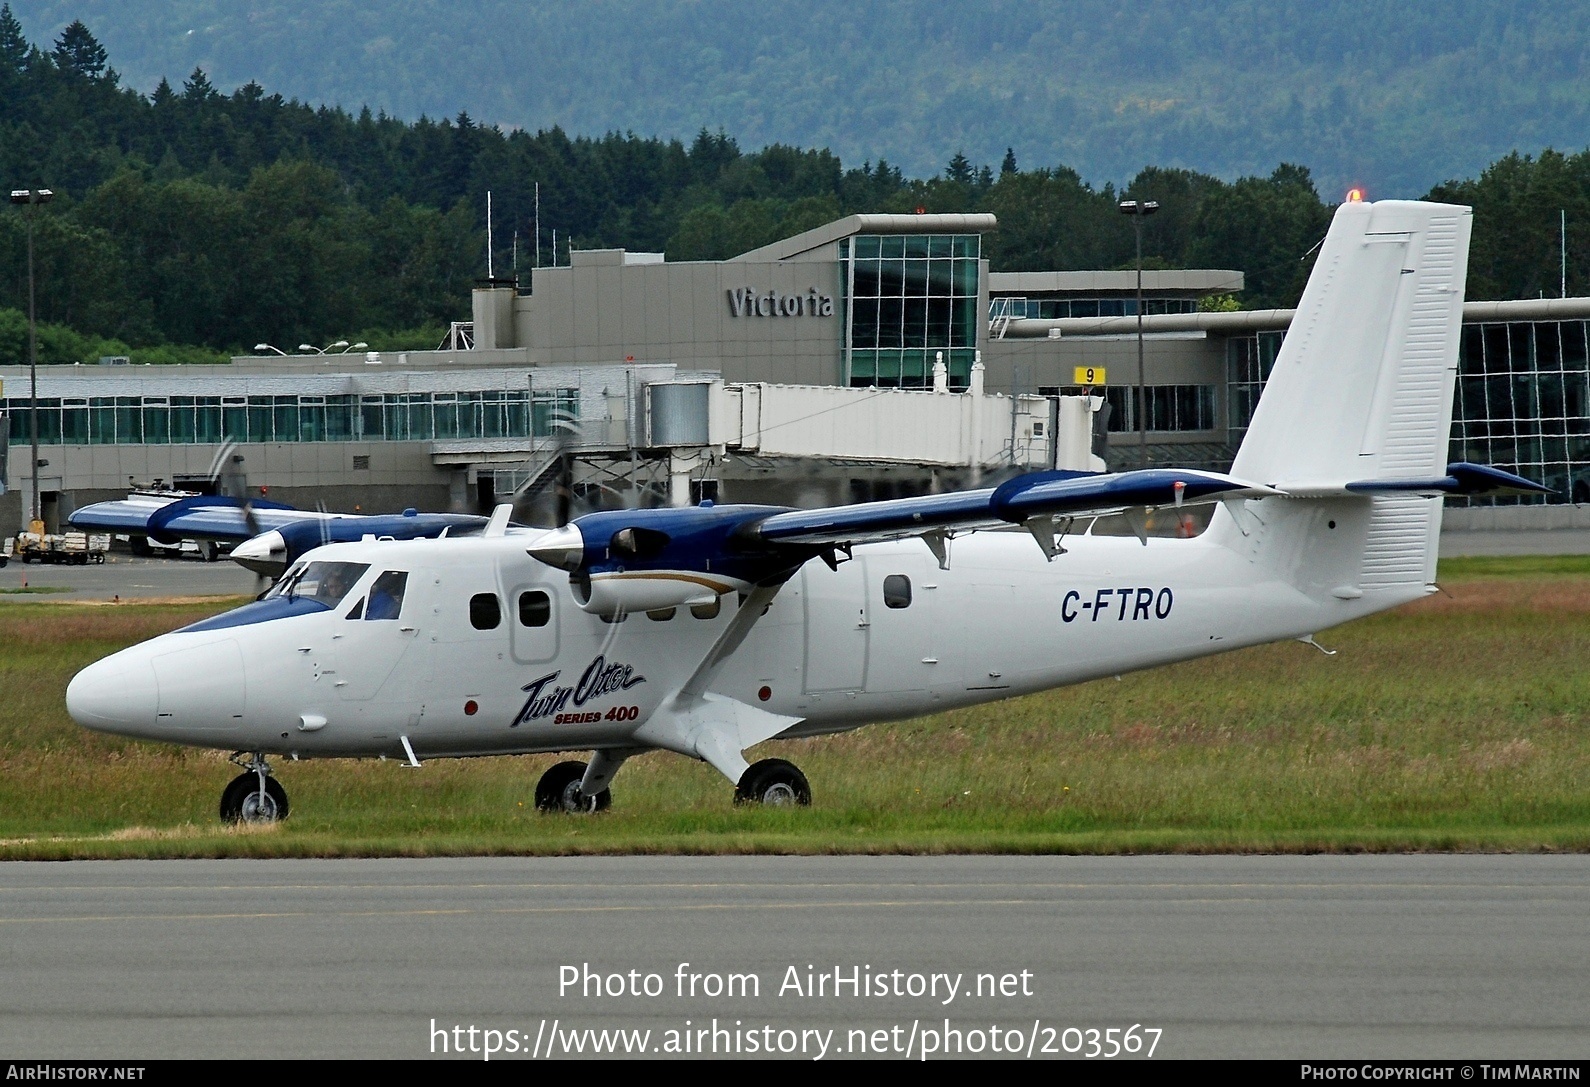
{"points": [[1088, 375]]}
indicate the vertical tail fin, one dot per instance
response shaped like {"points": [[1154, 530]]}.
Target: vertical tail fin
{"points": [[1362, 391], [1362, 387]]}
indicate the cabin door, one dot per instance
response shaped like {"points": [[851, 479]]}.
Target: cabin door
{"points": [[837, 626]]}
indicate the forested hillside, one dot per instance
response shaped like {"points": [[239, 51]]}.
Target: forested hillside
{"points": [[191, 222], [1393, 95]]}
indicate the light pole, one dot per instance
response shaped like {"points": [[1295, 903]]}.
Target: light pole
{"points": [[1138, 210], [33, 198], [311, 349]]}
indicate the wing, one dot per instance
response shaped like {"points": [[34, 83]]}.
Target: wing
{"points": [[209, 517], [1015, 502]]}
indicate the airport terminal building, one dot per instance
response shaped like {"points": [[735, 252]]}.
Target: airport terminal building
{"points": [[702, 369]]}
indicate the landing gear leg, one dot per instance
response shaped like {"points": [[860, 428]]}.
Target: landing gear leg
{"points": [[775, 782], [253, 796], [559, 789]]}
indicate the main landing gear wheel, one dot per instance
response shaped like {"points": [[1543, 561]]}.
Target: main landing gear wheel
{"points": [[774, 782], [245, 802], [559, 790]]}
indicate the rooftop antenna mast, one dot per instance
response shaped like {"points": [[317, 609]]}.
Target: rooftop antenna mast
{"points": [[538, 224], [488, 235], [1562, 247]]}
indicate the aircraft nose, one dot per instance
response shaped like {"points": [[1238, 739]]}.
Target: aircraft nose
{"points": [[264, 554], [117, 694]]}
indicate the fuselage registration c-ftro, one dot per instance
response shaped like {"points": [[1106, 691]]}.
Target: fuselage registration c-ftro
{"points": [[707, 630]]}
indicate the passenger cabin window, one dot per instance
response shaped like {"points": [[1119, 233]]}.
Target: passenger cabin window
{"points": [[485, 611], [386, 595], [661, 615], [535, 609], [897, 591], [707, 611], [327, 582]]}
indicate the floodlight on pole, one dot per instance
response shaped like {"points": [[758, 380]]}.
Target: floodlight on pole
{"points": [[32, 198], [1138, 210], [311, 349], [261, 348]]}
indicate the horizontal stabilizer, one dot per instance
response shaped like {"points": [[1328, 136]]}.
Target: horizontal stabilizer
{"points": [[1461, 478]]}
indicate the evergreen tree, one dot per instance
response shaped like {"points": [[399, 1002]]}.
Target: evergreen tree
{"points": [[197, 88], [1009, 165], [13, 46], [959, 169], [78, 51]]}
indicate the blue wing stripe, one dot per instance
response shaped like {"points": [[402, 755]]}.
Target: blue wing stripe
{"points": [[920, 514]]}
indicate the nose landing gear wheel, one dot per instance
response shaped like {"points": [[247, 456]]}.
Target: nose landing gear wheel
{"points": [[242, 802], [559, 790], [774, 782]]}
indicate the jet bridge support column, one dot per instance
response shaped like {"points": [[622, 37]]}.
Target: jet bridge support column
{"points": [[683, 465]]}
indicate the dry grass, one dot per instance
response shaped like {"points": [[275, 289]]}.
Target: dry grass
{"points": [[1455, 723]]}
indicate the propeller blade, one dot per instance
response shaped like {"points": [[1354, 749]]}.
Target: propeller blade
{"points": [[226, 472]]}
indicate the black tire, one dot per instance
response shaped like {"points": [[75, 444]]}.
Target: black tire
{"points": [[240, 802], [559, 791], [774, 782]]}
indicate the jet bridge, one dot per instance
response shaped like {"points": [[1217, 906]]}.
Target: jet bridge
{"points": [[668, 432]]}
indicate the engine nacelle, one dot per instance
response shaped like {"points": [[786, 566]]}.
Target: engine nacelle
{"points": [[626, 592]]}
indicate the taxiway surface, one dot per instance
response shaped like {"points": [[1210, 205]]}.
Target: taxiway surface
{"points": [[1329, 956]]}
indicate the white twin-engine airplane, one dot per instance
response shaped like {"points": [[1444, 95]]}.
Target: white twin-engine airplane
{"points": [[708, 630]]}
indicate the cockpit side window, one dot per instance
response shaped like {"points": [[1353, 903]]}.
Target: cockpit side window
{"points": [[386, 595], [326, 582]]}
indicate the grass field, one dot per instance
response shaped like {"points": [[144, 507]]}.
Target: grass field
{"points": [[1457, 723]]}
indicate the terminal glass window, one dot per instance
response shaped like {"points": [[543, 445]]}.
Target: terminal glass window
{"points": [[1170, 408], [1523, 405], [1249, 360], [910, 300], [210, 420], [1018, 307], [74, 421], [1522, 402]]}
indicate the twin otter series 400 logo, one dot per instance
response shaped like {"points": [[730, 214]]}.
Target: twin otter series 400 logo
{"points": [[543, 699]]}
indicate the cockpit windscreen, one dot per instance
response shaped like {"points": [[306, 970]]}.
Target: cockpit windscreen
{"points": [[326, 582]]}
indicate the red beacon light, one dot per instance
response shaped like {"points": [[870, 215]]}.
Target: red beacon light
{"points": [[1355, 196]]}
